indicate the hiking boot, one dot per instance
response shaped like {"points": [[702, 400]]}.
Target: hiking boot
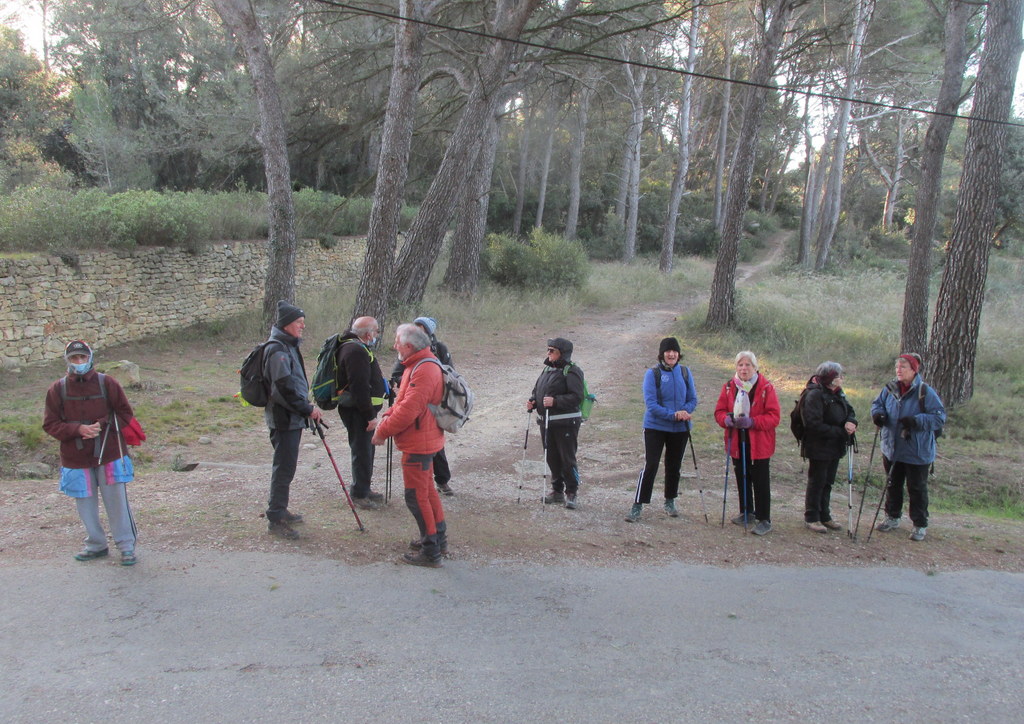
{"points": [[417, 545], [570, 501], [128, 559], [375, 497], [888, 524], [918, 533], [445, 489], [831, 525], [282, 530], [88, 555], [816, 527], [421, 559], [634, 513], [291, 518], [556, 496], [367, 503], [738, 520], [670, 508], [763, 527]]}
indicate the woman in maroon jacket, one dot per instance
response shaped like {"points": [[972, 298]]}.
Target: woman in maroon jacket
{"points": [[87, 411], [748, 409]]}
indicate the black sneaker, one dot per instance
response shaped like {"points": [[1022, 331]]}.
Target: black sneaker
{"points": [[291, 518], [738, 520], [419, 559], [282, 530], [88, 555], [445, 489], [556, 496]]}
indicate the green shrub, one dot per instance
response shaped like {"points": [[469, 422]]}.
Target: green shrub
{"points": [[546, 261]]}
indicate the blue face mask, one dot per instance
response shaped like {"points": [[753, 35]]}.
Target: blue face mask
{"points": [[80, 369]]}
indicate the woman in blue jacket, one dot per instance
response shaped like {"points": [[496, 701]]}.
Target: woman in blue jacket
{"points": [[909, 414], [671, 398]]}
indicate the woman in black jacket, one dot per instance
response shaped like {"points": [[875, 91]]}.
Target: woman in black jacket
{"points": [[829, 422]]}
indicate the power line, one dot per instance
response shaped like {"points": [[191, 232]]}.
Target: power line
{"points": [[394, 16]]}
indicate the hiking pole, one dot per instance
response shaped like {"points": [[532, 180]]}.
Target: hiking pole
{"points": [[867, 479], [387, 471], [888, 482], [746, 495], [851, 446], [547, 468], [725, 489], [522, 466], [320, 431], [700, 486]]}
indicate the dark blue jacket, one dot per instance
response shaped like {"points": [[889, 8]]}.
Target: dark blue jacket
{"points": [[677, 393]]}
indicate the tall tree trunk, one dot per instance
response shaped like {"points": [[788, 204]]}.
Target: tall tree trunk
{"points": [[892, 187], [809, 210], [954, 342], [722, 302], [676, 193], [373, 296], [426, 235], [834, 187], [545, 161], [463, 273], [914, 332], [576, 159], [240, 20], [723, 133], [523, 172]]}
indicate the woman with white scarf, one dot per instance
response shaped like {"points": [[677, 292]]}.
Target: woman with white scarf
{"points": [[748, 409]]}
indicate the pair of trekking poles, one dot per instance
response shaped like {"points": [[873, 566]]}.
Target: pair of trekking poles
{"points": [[526, 444]]}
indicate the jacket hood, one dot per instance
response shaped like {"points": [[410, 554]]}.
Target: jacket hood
{"points": [[562, 345]]}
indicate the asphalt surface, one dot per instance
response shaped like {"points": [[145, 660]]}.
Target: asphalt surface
{"points": [[241, 637]]}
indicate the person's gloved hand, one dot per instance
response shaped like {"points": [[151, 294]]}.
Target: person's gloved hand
{"points": [[880, 418], [909, 423], [744, 422], [729, 422]]}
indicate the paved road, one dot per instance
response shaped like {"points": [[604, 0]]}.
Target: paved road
{"points": [[253, 637]]}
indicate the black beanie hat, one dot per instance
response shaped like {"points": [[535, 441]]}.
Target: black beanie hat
{"points": [[669, 344], [287, 313]]}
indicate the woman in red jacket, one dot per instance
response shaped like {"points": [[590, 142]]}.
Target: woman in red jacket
{"points": [[748, 409]]}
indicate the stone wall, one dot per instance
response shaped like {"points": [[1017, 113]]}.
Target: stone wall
{"points": [[111, 297]]}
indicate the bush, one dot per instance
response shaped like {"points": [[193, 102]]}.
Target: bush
{"points": [[546, 261]]}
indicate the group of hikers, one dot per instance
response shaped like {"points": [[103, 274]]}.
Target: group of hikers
{"points": [[90, 415]]}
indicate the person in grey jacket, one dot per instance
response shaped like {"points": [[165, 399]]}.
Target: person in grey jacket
{"points": [[287, 414], [909, 413]]}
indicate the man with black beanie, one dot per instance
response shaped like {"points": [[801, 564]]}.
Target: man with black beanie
{"points": [[287, 414]]}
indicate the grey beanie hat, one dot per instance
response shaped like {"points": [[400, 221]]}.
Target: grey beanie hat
{"points": [[428, 323], [287, 313]]}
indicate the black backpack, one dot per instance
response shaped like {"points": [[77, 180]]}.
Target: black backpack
{"points": [[796, 419], [254, 389]]}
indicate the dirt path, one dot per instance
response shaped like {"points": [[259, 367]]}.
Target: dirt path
{"points": [[496, 514]]}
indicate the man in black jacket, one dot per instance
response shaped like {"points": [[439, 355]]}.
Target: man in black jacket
{"points": [[362, 395], [287, 414], [556, 396]]}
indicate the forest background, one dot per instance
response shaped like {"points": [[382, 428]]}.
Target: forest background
{"points": [[509, 138]]}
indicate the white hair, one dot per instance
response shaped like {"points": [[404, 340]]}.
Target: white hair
{"points": [[412, 334], [748, 355]]}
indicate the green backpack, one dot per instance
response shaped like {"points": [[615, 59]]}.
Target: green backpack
{"points": [[587, 403]]}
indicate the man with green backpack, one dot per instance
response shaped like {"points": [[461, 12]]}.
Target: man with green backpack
{"points": [[557, 396], [361, 391]]}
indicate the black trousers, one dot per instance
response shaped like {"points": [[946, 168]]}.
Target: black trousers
{"points": [[757, 481], [361, 450], [286, 457], [916, 479], [561, 445], [674, 445], [442, 473], [821, 476]]}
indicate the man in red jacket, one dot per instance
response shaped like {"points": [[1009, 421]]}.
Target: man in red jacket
{"points": [[86, 412], [419, 437]]}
